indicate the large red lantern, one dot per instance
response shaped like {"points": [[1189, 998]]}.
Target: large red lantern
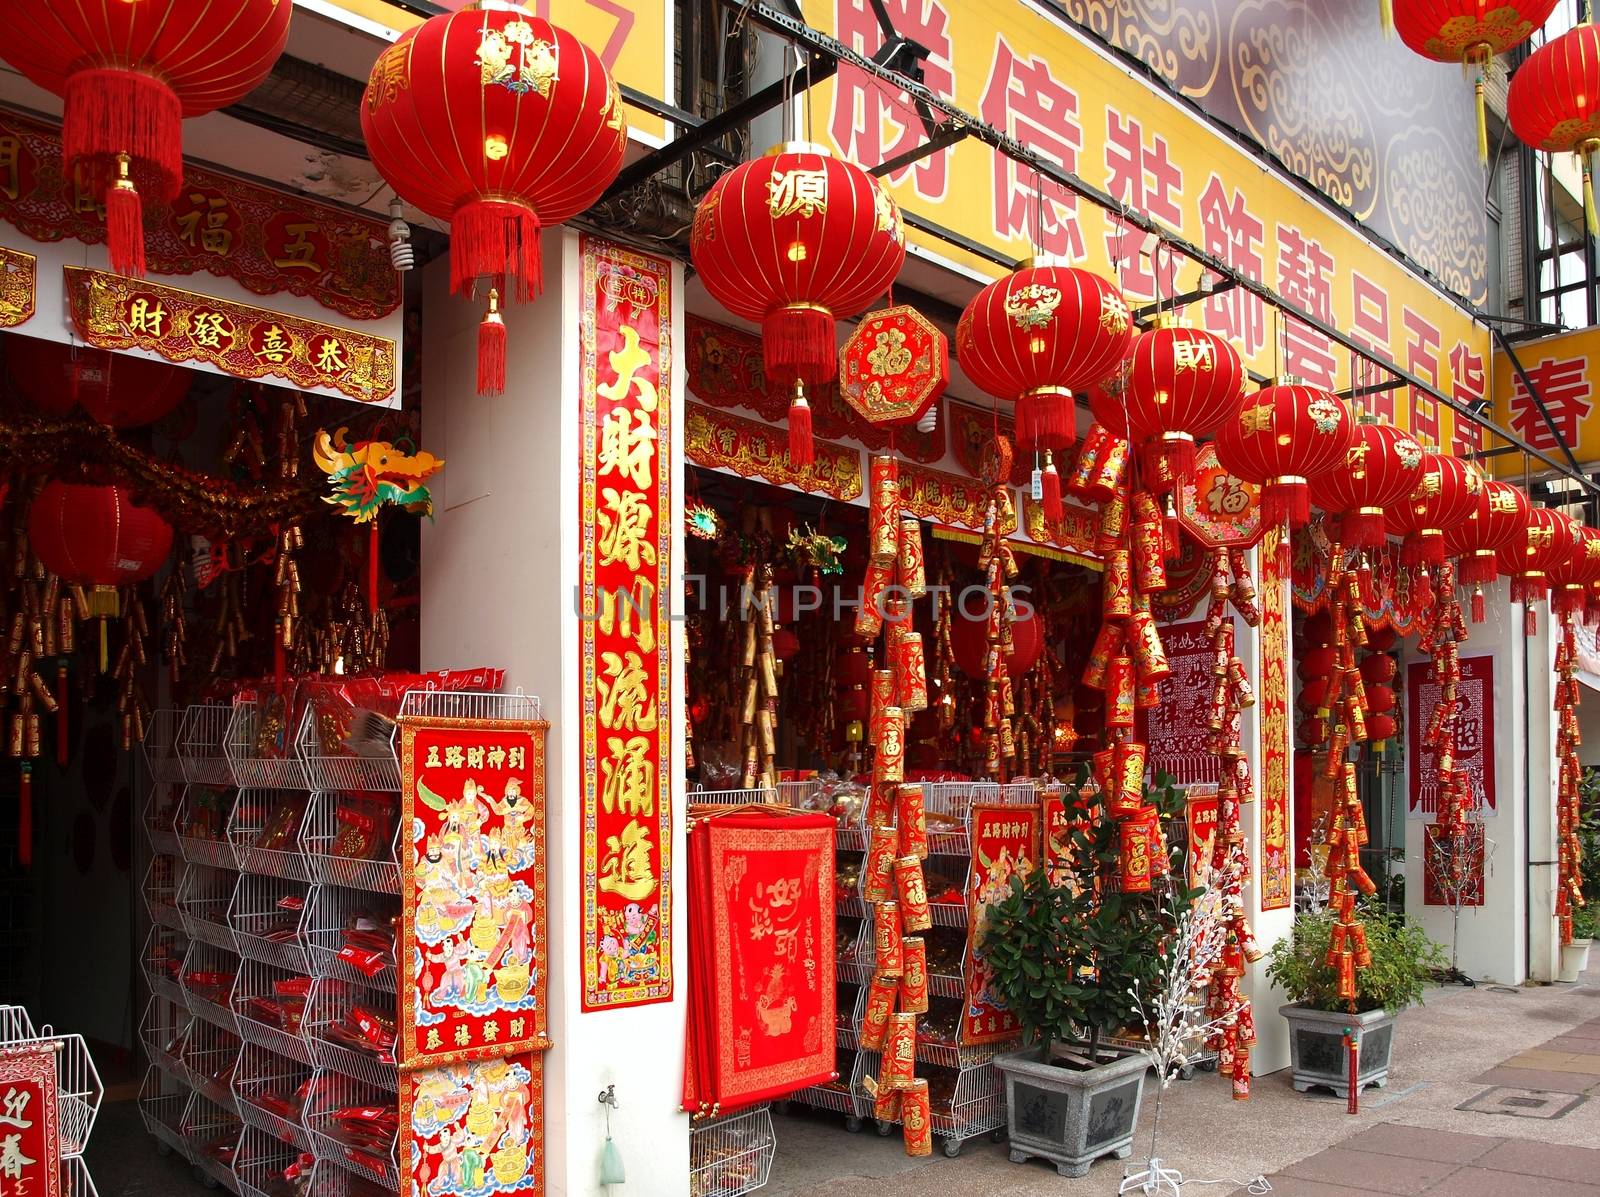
{"points": [[503, 124], [1497, 519], [1445, 495], [129, 73], [1380, 469], [1544, 543], [118, 389], [1280, 437], [1572, 577], [792, 240], [1177, 384], [1033, 338], [96, 535], [1469, 32], [969, 644], [1554, 102]]}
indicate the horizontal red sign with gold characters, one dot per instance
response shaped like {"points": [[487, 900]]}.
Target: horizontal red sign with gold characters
{"points": [[19, 286], [114, 312], [750, 449], [1005, 843], [625, 694], [265, 241]]}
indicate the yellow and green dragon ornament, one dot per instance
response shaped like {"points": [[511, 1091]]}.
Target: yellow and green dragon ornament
{"points": [[368, 474]]}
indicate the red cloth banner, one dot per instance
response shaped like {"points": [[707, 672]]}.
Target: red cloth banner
{"points": [[474, 1128], [265, 241], [1005, 842], [1474, 737], [30, 1122], [1176, 730], [1276, 865], [761, 982], [625, 531], [473, 895]]}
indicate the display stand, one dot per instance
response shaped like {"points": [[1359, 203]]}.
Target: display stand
{"points": [[78, 1094]]}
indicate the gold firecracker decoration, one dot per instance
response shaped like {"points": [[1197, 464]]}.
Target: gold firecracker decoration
{"points": [[133, 708], [1569, 848]]}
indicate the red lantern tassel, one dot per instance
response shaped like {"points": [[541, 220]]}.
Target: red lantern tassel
{"points": [[801, 450], [799, 342], [112, 111], [492, 348], [1477, 569], [1423, 548], [1046, 419], [1167, 463], [125, 224], [495, 238], [1050, 491], [1286, 498], [25, 816], [372, 567], [1530, 620], [63, 736], [1362, 528], [1477, 604]]}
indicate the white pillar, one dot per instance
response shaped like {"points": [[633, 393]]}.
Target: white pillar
{"points": [[500, 567], [1537, 728]]}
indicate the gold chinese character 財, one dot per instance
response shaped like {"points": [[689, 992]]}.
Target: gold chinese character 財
{"points": [[147, 316], [628, 446]]}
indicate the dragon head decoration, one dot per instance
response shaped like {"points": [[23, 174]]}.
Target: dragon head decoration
{"points": [[368, 474]]}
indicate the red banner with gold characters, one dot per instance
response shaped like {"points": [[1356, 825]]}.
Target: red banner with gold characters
{"points": [[1005, 842], [30, 1121], [626, 535], [265, 241], [948, 499], [19, 286], [476, 1127], [113, 312], [1277, 860], [1200, 815], [750, 449], [473, 889]]}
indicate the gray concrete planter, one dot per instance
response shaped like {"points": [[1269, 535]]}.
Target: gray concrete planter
{"points": [[1318, 1055], [1574, 959], [1068, 1116]]}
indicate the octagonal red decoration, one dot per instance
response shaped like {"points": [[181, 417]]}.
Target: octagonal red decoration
{"points": [[1554, 102], [1445, 495], [894, 366], [1380, 469], [96, 535], [1280, 437], [128, 75], [1217, 508]]}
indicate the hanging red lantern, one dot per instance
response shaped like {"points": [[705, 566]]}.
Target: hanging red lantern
{"points": [[129, 74], [1445, 495], [1281, 436], [1572, 576], [894, 366], [1544, 542], [1034, 337], [96, 535], [1176, 385], [792, 240], [1554, 103], [1469, 32], [1498, 519], [121, 390], [502, 124], [1380, 469], [969, 643]]}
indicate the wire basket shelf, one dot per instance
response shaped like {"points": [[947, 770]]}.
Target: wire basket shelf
{"points": [[257, 984], [732, 1155], [248, 768], [161, 1033], [209, 973], [162, 879], [204, 899], [78, 1088], [977, 1104], [332, 1095], [75, 1179], [261, 1163], [160, 747], [268, 917], [471, 704], [331, 1001], [161, 817], [162, 1101], [320, 839], [265, 1085], [367, 759], [332, 911], [257, 810], [199, 745], [218, 851], [209, 1057], [211, 1130]]}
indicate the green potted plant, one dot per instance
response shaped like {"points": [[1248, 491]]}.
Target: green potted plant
{"points": [[1403, 960], [1066, 958]]}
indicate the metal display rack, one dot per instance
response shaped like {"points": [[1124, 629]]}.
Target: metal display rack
{"points": [[78, 1091], [732, 1155]]}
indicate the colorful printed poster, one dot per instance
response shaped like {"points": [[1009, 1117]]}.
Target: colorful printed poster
{"points": [[1176, 730], [472, 803], [1200, 815], [475, 1128], [1474, 735], [1005, 842], [1276, 862], [30, 1122], [625, 528]]}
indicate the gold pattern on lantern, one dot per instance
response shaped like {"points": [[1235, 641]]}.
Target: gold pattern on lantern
{"points": [[1033, 306], [1257, 418], [1114, 316], [535, 68], [391, 76], [1193, 353], [1324, 415]]}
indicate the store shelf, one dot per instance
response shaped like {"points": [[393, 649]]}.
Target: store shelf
{"points": [[732, 1155], [162, 878], [162, 962], [204, 898], [209, 974], [203, 805], [161, 1032], [213, 1133], [333, 911], [976, 1105], [161, 818], [162, 1101], [359, 750], [208, 1058], [321, 840], [257, 983], [331, 1001], [199, 743], [160, 747], [263, 1080], [254, 813], [247, 766], [268, 918], [75, 1179], [261, 1163], [332, 1095]]}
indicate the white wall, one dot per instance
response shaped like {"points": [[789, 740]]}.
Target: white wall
{"points": [[499, 568]]}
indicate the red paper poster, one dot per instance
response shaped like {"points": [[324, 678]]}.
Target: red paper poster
{"points": [[1005, 842], [1474, 734], [1056, 850], [30, 1123], [1276, 863], [476, 1127], [473, 889], [1449, 869], [1200, 817], [625, 518], [1176, 730]]}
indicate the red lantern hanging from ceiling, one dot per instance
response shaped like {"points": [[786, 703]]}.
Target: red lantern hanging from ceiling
{"points": [[1554, 103], [121, 390], [1445, 495], [503, 124], [1177, 384], [792, 240], [1544, 542], [1280, 437], [969, 644], [894, 366], [1497, 519], [129, 74], [1034, 337], [96, 535], [1572, 576], [1380, 470], [1469, 32]]}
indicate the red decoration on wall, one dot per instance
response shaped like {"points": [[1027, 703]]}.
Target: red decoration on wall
{"points": [[1218, 508], [1176, 730], [1474, 749], [1380, 470], [1005, 842], [894, 366], [969, 640], [1554, 100], [1282, 436], [504, 1100], [129, 74], [121, 390], [96, 535]]}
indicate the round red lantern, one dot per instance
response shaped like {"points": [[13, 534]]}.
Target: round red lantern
{"points": [[1546, 541], [1380, 469], [1469, 32], [129, 73], [1176, 384], [1499, 518], [1445, 495], [96, 535], [1554, 102], [502, 124], [118, 389], [1281, 436], [1034, 337], [792, 240], [969, 643], [1572, 577]]}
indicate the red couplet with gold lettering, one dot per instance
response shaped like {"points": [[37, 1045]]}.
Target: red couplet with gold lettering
{"points": [[30, 1123], [1005, 842]]}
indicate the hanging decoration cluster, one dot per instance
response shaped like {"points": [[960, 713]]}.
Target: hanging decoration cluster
{"points": [[1443, 631], [1544, 542], [1445, 496], [1280, 437], [1380, 470]]}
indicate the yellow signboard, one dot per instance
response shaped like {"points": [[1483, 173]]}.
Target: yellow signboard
{"points": [[1565, 371], [1027, 73]]}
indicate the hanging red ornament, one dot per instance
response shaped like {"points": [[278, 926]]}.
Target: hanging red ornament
{"points": [[1544, 542], [1445, 495], [1177, 384], [96, 535], [128, 75], [894, 366], [1572, 576], [793, 240], [1281, 436], [121, 390], [1034, 337], [1496, 520], [1554, 102], [969, 642], [1380, 469]]}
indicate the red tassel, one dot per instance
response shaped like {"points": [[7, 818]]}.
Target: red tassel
{"points": [[1477, 569], [1046, 419], [1050, 498], [111, 112], [1167, 463], [1362, 528], [125, 225], [495, 238], [1530, 620], [799, 342], [801, 451], [1477, 604], [1423, 548], [1286, 500], [492, 349], [25, 816]]}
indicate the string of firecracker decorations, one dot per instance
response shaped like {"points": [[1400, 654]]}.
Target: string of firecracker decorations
{"points": [[1569, 849], [1441, 635]]}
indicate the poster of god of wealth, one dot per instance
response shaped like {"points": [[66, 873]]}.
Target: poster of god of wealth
{"points": [[474, 919]]}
